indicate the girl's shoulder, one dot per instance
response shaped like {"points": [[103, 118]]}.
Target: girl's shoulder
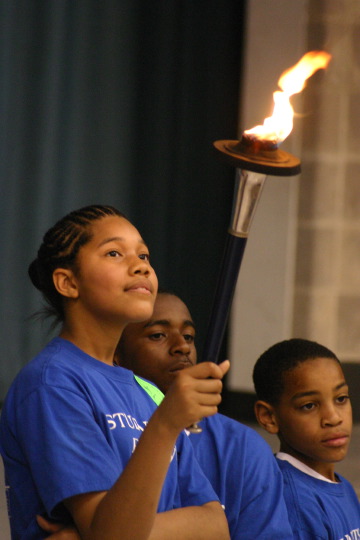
{"points": [[63, 365]]}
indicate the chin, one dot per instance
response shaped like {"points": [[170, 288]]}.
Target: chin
{"points": [[141, 314]]}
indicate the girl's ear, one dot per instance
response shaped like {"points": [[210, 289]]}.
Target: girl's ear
{"points": [[65, 282], [266, 417]]}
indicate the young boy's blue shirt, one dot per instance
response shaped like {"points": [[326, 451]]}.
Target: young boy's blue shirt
{"points": [[319, 509], [244, 473], [69, 425]]}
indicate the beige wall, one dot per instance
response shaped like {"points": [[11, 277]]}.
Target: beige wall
{"points": [[327, 285], [301, 273]]}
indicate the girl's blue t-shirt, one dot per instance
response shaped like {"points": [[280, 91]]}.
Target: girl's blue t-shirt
{"points": [[69, 426]]}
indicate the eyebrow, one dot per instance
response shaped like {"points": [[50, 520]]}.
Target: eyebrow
{"points": [[118, 239], [315, 392], [165, 322]]}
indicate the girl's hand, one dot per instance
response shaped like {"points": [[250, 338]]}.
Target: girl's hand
{"points": [[57, 530], [195, 394]]}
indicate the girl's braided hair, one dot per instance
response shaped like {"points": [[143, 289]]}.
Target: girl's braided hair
{"points": [[59, 249]]}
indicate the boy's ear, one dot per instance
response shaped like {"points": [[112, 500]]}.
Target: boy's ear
{"points": [[266, 417], [65, 282]]}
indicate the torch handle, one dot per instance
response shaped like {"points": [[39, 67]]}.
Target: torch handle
{"points": [[248, 187], [232, 257]]}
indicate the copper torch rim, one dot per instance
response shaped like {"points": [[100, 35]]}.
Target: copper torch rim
{"points": [[264, 158]]}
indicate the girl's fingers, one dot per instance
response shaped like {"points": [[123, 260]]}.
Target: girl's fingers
{"points": [[224, 366], [47, 525], [194, 394], [205, 399], [210, 386], [206, 370]]}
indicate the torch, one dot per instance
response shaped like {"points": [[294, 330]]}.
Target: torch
{"points": [[255, 156]]}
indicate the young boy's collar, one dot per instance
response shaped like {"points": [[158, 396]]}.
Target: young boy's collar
{"points": [[302, 467]]}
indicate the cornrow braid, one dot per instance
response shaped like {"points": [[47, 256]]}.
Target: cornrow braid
{"points": [[60, 247]]}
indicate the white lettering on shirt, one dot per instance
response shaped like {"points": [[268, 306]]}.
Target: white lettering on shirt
{"points": [[353, 535], [123, 420]]}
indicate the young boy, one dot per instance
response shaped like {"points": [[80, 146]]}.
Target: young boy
{"points": [[303, 398], [237, 461]]}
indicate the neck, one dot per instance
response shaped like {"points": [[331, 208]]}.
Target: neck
{"points": [[326, 469], [99, 341]]}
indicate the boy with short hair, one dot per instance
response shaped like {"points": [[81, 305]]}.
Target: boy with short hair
{"points": [[234, 457], [304, 399]]}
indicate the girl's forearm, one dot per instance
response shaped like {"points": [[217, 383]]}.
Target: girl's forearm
{"points": [[207, 522], [129, 508]]}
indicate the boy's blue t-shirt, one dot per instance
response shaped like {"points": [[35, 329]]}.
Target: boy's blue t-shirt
{"points": [[68, 426], [244, 474], [320, 510]]}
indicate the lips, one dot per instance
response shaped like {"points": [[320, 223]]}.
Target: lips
{"points": [[338, 439], [142, 287], [183, 364]]}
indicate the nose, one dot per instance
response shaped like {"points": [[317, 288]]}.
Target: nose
{"points": [[139, 266], [331, 416], [179, 345]]}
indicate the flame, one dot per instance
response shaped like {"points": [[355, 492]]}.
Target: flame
{"points": [[278, 126]]}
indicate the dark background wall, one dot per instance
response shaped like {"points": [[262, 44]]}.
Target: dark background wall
{"points": [[115, 101]]}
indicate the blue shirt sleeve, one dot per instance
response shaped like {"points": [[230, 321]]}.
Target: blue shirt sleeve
{"points": [[244, 473], [66, 448], [195, 488], [263, 512]]}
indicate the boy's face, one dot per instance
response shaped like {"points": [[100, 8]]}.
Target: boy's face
{"points": [[161, 346], [314, 416]]}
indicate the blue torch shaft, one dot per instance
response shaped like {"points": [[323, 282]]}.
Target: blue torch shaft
{"points": [[224, 293]]}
